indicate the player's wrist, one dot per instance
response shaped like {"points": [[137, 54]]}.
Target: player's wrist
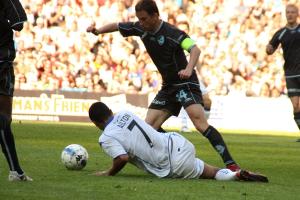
{"points": [[96, 31]]}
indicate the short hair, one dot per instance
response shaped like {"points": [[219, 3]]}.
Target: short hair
{"points": [[147, 5], [99, 112], [292, 6]]}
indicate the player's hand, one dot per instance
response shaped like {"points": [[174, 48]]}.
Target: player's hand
{"points": [[269, 49], [185, 73], [101, 173], [92, 29]]}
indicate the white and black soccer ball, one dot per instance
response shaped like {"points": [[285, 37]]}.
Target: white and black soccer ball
{"points": [[74, 157]]}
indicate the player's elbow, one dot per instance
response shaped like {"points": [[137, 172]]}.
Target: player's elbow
{"points": [[195, 50]]}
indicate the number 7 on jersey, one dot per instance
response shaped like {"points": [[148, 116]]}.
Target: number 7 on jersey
{"points": [[132, 124]]}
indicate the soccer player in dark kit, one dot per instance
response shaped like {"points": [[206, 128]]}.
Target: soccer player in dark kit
{"points": [[289, 38], [12, 16], [166, 44]]}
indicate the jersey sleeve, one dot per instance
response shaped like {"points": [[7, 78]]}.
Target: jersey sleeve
{"points": [[15, 12], [181, 38], [130, 29], [275, 41], [180, 35], [111, 146]]}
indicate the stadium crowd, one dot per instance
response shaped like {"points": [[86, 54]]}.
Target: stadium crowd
{"points": [[56, 53]]}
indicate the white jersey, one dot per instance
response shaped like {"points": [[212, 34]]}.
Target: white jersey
{"points": [[147, 149]]}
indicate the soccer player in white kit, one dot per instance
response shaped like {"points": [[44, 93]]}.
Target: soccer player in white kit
{"points": [[128, 138]]}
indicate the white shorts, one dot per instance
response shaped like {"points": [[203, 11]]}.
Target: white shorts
{"points": [[184, 164]]}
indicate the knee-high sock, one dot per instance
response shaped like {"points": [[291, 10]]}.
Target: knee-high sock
{"points": [[219, 145], [8, 145], [297, 119]]}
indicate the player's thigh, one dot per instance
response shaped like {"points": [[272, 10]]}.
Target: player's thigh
{"points": [[190, 97], [7, 81], [183, 160], [6, 105], [162, 107], [293, 87], [156, 117]]}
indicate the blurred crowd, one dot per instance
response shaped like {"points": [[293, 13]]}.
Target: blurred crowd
{"points": [[56, 53]]}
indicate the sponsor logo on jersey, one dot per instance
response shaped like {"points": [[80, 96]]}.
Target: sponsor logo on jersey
{"points": [[161, 40], [157, 102]]}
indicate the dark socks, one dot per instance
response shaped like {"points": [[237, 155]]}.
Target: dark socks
{"points": [[8, 145], [219, 145], [297, 119]]}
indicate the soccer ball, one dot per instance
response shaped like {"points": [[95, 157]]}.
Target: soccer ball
{"points": [[74, 157]]}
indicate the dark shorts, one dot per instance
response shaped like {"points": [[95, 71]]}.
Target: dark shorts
{"points": [[7, 79], [293, 86], [173, 97]]}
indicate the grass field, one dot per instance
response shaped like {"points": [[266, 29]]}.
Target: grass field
{"points": [[39, 146]]}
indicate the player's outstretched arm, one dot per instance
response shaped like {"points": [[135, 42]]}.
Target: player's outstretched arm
{"points": [[108, 28], [118, 164]]}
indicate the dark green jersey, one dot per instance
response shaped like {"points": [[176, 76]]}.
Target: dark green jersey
{"points": [[7, 50], [12, 14], [164, 48], [290, 43]]}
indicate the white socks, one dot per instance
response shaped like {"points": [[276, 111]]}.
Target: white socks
{"points": [[226, 175]]}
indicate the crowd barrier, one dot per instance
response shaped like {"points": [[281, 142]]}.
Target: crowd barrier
{"points": [[227, 112], [248, 114]]}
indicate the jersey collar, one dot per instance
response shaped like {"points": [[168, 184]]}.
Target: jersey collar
{"points": [[109, 120], [293, 28], [161, 24]]}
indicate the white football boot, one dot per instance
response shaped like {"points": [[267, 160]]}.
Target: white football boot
{"points": [[14, 176]]}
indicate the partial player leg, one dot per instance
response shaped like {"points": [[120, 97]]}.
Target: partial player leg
{"points": [[211, 172], [217, 141], [7, 141], [293, 86], [197, 116], [156, 118], [244, 175], [296, 108], [8, 145]]}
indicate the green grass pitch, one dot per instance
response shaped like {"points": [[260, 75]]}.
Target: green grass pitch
{"points": [[39, 146]]}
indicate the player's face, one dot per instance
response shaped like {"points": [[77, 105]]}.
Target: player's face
{"points": [[148, 22], [99, 125], [292, 14]]}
